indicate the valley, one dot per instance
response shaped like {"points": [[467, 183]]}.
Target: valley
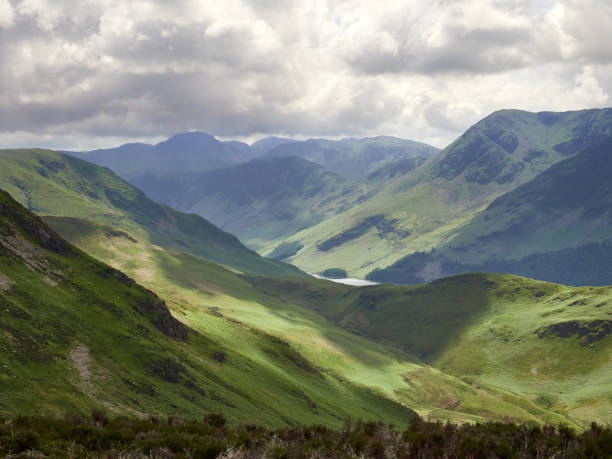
{"points": [[303, 202], [467, 348]]}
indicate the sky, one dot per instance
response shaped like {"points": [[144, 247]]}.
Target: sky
{"points": [[83, 74]]}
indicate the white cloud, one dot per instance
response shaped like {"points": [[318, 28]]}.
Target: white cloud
{"points": [[93, 70], [7, 15]]}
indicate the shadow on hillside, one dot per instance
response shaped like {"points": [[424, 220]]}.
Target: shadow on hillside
{"points": [[422, 320]]}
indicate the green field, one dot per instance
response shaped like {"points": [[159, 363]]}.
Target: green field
{"points": [[219, 302]]}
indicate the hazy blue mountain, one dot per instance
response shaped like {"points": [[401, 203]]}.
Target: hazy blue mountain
{"points": [[189, 151], [262, 146], [258, 200], [240, 148], [353, 158]]}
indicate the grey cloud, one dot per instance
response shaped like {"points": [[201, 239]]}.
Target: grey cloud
{"points": [[140, 82], [476, 50]]}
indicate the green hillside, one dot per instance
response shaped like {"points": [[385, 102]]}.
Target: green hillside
{"points": [[546, 342], [423, 208], [47, 182], [221, 303], [78, 334], [557, 227]]}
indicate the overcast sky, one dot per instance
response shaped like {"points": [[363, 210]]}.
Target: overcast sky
{"points": [[80, 74]]}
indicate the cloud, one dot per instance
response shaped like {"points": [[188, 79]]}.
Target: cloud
{"points": [[7, 15], [95, 71]]}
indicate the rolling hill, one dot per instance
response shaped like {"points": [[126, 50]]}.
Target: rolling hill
{"points": [[557, 227], [52, 183], [546, 342], [78, 334], [422, 209], [220, 303]]}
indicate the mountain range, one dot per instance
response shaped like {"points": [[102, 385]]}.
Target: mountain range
{"points": [[189, 151], [377, 206], [111, 300], [320, 347], [424, 208]]}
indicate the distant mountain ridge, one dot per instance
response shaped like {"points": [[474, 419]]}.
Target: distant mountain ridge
{"points": [[263, 198], [189, 151], [194, 172], [353, 158], [198, 152], [510, 144], [398, 204]]}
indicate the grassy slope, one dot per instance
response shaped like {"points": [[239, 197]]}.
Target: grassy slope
{"points": [[499, 330], [78, 334], [52, 183], [568, 205], [217, 301], [501, 152], [555, 220]]}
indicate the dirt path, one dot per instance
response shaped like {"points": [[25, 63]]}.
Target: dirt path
{"points": [[5, 284], [81, 361]]}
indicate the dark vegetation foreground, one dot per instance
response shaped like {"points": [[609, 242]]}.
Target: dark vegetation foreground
{"points": [[99, 436]]}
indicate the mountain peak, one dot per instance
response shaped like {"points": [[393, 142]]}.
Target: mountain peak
{"points": [[510, 143], [193, 139]]}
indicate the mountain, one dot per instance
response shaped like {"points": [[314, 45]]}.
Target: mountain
{"points": [[556, 227], [258, 200], [262, 146], [189, 151], [547, 342], [396, 169], [422, 209], [509, 145], [52, 183], [79, 334], [178, 172], [353, 158]]}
